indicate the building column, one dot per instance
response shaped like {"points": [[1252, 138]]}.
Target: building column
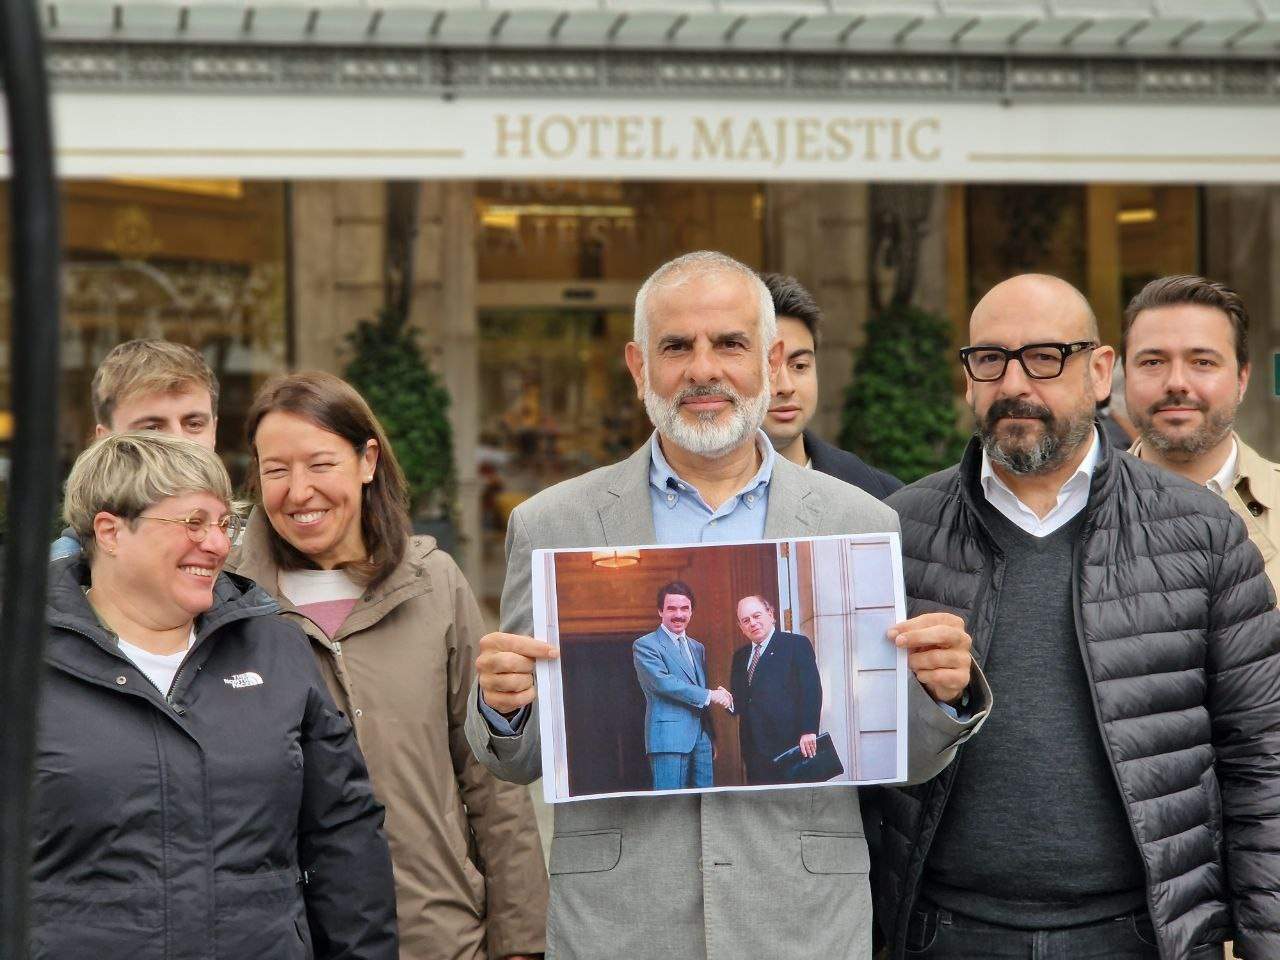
{"points": [[1242, 250], [338, 247], [817, 233], [339, 238], [1103, 260], [443, 307]]}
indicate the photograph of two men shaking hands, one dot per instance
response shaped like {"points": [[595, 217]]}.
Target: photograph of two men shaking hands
{"points": [[774, 693]]}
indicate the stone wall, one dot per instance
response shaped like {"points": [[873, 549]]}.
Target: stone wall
{"points": [[1242, 249]]}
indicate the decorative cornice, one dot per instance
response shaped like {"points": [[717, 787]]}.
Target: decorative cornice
{"points": [[105, 67]]}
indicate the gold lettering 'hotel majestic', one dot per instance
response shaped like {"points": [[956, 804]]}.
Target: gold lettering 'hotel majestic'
{"points": [[730, 139], [252, 178]]}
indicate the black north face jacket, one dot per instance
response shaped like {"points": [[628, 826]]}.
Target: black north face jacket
{"points": [[231, 820], [1180, 639]]}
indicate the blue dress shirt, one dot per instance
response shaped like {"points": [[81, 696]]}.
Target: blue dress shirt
{"points": [[680, 515]]}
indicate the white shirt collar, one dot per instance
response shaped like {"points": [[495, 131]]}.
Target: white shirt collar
{"points": [[1072, 496], [765, 642], [1225, 479], [673, 636]]}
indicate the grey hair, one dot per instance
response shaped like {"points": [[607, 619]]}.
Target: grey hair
{"points": [[125, 473], [702, 263]]}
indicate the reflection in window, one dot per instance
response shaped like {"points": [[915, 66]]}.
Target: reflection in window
{"points": [[201, 263]]}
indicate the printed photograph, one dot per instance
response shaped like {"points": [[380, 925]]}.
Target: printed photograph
{"points": [[744, 666]]}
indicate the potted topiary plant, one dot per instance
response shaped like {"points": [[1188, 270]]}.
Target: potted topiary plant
{"points": [[899, 411], [389, 370]]}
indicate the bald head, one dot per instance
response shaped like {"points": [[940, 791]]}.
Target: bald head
{"points": [[1032, 307], [1037, 414]]}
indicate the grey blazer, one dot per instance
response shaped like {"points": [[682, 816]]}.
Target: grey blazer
{"points": [[719, 876]]}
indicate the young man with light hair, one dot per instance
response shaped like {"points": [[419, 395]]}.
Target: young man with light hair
{"points": [[151, 385], [1184, 341], [156, 385]]}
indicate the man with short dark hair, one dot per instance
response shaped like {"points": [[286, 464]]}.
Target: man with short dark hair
{"points": [[672, 669], [1124, 801], [795, 393], [1184, 344]]}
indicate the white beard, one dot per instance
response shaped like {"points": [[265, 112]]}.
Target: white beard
{"points": [[706, 437]]}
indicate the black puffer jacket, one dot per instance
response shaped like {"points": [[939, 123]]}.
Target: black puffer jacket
{"points": [[1181, 641], [233, 820]]}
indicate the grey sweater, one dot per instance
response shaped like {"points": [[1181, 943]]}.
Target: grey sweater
{"points": [[1034, 834]]}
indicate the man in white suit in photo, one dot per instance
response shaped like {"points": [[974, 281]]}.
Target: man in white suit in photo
{"points": [[707, 876]]}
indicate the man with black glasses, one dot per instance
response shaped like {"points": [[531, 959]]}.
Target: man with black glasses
{"points": [[1124, 801]]}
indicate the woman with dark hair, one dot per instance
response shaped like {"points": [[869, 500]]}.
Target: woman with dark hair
{"points": [[197, 793], [395, 627]]}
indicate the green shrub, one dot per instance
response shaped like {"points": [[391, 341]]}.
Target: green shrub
{"points": [[391, 374], [899, 411]]}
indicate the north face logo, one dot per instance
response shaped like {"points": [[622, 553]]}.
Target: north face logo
{"points": [[239, 680]]}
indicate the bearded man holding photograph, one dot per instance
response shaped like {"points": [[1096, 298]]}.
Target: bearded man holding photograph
{"points": [[719, 875]]}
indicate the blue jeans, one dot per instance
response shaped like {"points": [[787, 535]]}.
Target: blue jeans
{"points": [[942, 935], [676, 771]]}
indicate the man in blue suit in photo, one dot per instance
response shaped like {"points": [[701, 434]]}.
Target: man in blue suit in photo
{"points": [[672, 669], [777, 689]]}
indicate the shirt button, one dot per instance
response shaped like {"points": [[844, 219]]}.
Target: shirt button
{"points": [[713, 523], [751, 498], [121, 681], [670, 497], [359, 713]]}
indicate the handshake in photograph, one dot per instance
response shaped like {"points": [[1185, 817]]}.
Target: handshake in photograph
{"points": [[775, 696]]}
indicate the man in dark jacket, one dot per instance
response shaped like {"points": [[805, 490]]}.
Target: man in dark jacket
{"points": [[1124, 801], [795, 393], [777, 692]]}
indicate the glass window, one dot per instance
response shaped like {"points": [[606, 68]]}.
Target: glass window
{"points": [[197, 262]]}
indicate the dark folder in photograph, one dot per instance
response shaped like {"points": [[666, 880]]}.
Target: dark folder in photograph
{"points": [[795, 767]]}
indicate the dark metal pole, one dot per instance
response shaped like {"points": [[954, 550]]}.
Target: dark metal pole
{"points": [[33, 359]]}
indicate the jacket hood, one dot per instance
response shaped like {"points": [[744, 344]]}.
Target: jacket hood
{"points": [[252, 558], [234, 598]]}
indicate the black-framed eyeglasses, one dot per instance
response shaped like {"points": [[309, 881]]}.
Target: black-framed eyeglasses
{"points": [[1041, 361], [197, 526]]}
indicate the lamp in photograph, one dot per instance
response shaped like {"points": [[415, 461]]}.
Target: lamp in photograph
{"points": [[613, 559]]}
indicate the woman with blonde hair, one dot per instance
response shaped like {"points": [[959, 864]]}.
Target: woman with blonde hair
{"points": [[197, 792], [394, 627]]}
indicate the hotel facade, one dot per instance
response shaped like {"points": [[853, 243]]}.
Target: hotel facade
{"points": [[250, 177]]}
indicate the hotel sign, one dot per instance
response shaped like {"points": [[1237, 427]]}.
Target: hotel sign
{"points": [[731, 139], [401, 136]]}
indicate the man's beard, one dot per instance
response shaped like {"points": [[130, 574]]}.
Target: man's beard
{"points": [[1215, 426], [1061, 437], [706, 437]]}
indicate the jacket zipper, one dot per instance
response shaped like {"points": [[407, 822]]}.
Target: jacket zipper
{"points": [[123, 659], [1077, 616], [911, 882]]}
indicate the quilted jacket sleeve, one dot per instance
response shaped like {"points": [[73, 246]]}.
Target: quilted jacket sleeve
{"points": [[1244, 702]]}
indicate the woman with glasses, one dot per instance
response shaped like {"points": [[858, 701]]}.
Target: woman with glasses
{"points": [[394, 627], [197, 793]]}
